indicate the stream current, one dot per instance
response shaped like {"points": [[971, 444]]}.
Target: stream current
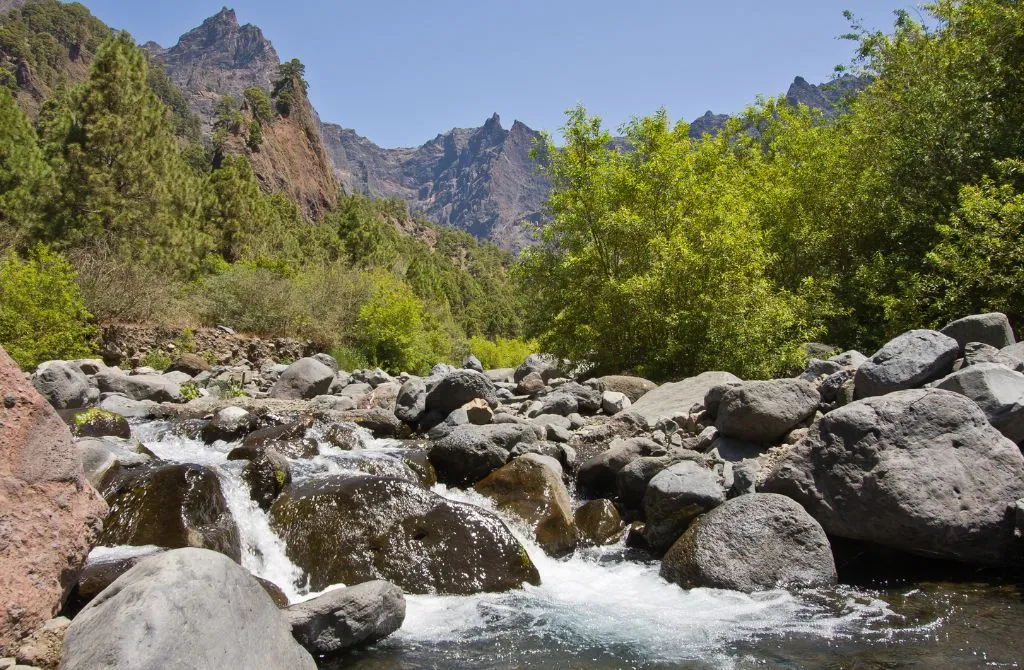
{"points": [[606, 608]]}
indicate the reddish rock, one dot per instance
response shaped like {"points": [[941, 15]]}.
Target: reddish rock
{"points": [[49, 514]]}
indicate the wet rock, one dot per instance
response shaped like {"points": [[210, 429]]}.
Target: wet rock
{"points": [[470, 453], [764, 411], [920, 471], [230, 423], [267, 475], [672, 400], [355, 529], [62, 384], [105, 564], [305, 378], [755, 542], [598, 522], [181, 610], [911, 360], [345, 618], [289, 440], [100, 423], [49, 515], [42, 649], [675, 497], [103, 456], [530, 487], [992, 329], [172, 506]]}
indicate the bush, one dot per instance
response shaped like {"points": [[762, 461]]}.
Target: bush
{"points": [[502, 352], [42, 312], [349, 358], [157, 360]]}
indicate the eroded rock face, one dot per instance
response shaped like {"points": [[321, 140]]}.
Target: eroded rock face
{"points": [[908, 361], [531, 488], [355, 529], [920, 471], [49, 514], [182, 610], [752, 543]]}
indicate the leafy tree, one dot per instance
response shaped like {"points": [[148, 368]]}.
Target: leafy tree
{"points": [[42, 315], [258, 104]]}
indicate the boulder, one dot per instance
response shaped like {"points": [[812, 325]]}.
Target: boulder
{"points": [[169, 505], [478, 412], [350, 530], [1012, 357], [598, 522], [558, 403], [675, 497], [921, 471], [544, 365], [755, 542], [596, 477], [44, 647], [849, 359], [230, 423], [764, 411], [49, 514], [633, 388], [304, 379], [288, 439], [672, 400], [96, 422], [190, 364], [469, 453], [183, 610], [501, 375], [613, 402], [126, 407], [411, 403], [997, 390], [911, 360], [106, 564], [101, 456], [632, 479], [266, 475], [344, 618], [471, 362], [139, 387], [328, 360], [457, 389], [992, 329], [62, 384], [530, 487], [531, 384]]}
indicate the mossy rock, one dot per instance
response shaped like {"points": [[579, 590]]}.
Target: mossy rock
{"points": [[100, 423]]}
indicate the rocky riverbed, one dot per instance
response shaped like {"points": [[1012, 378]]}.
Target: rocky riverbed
{"points": [[867, 510]]}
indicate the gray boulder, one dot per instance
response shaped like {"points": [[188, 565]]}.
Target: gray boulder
{"points": [[457, 389], [764, 411], [754, 542], [139, 387], [469, 453], [992, 328], [1012, 357], [920, 471], [674, 498], [349, 617], [672, 400], [562, 404], [471, 362], [62, 384], [633, 388], [910, 360], [327, 360], [997, 390], [596, 477], [613, 402], [545, 365], [304, 379], [188, 609], [103, 455], [125, 406], [849, 359], [230, 423]]}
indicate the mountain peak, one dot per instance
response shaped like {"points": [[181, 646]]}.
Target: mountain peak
{"points": [[225, 16], [493, 122]]}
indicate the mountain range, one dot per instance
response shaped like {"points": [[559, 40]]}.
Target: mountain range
{"points": [[480, 180]]}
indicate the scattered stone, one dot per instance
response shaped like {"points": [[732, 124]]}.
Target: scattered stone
{"points": [[345, 618], [43, 648], [911, 360], [755, 542], [179, 610], [613, 402], [764, 411]]}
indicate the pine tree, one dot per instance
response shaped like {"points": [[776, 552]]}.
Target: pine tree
{"points": [[26, 180]]}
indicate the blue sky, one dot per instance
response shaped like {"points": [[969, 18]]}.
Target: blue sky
{"points": [[401, 71]]}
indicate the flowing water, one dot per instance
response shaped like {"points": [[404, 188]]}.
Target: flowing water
{"points": [[605, 608]]}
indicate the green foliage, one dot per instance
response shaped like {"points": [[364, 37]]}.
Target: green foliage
{"points": [[501, 352], [42, 315], [189, 391], [27, 184], [349, 358], [289, 86], [92, 414], [156, 359], [258, 104], [255, 135]]}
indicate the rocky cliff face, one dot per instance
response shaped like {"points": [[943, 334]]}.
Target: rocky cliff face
{"points": [[827, 97], [218, 58], [480, 180], [6, 5]]}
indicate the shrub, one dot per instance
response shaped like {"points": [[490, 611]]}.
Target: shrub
{"points": [[501, 352], [42, 313], [189, 391], [349, 358], [157, 360]]}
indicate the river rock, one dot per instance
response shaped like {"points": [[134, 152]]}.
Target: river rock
{"points": [[912, 359], [631, 480], [125, 406], [613, 402], [471, 362], [531, 384], [411, 403], [62, 384], [49, 514], [106, 564], [139, 387], [558, 403], [304, 379], [190, 364], [355, 529], [530, 487], [544, 365], [598, 522], [633, 388], [992, 328], [100, 423], [920, 471], [170, 505], [43, 647], [186, 609], [103, 456], [344, 618], [288, 439], [675, 399], [764, 411], [997, 390], [266, 475], [596, 478], [457, 389], [230, 423], [469, 453], [755, 542], [676, 496]]}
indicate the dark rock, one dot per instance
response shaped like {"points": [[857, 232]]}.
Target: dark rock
{"points": [[752, 543], [183, 609], [921, 471], [304, 379], [230, 423], [171, 506], [100, 423], [328, 360], [101, 457], [596, 478], [544, 365], [998, 391], [289, 440], [267, 475], [411, 403], [104, 565], [676, 496], [632, 479], [764, 411], [558, 403], [588, 400], [355, 529], [912, 359], [457, 389], [744, 477], [469, 453], [633, 388], [62, 384], [992, 328], [190, 364], [598, 522], [345, 618], [530, 385], [471, 362], [830, 388]]}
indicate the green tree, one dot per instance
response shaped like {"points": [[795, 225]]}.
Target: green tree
{"points": [[27, 185], [289, 85], [42, 315], [258, 104]]}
